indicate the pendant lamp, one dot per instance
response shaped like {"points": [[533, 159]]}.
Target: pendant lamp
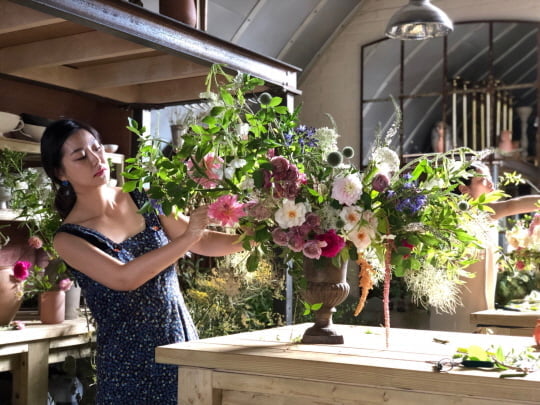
{"points": [[419, 20]]}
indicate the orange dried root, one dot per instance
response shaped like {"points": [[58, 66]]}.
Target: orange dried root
{"points": [[365, 282]]}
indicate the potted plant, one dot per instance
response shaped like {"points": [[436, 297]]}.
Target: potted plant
{"points": [[33, 199], [50, 289]]}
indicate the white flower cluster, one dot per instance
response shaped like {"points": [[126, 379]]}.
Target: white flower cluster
{"points": [[520, 237], [326, 140]]}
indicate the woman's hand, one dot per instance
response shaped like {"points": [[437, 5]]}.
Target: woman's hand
{"points": [[198, 221]]}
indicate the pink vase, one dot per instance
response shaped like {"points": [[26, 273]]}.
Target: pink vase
{"points": [[52, 307], [10, 297]]}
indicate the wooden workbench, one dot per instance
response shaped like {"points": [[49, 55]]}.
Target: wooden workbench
{"points": [[267, 368], [27, 353], [506, 322]]}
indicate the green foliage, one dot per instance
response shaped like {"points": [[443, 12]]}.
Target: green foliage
{"points": [[517, 361], [225, 298], [32, 196], [41, 280]]}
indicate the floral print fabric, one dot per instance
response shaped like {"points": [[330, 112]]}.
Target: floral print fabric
{"points": [[130, 324]]}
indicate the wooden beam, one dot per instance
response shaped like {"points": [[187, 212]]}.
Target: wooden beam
{"points": [[115, 75], [139, 71], [158, 32], [16, 18], [172, 91], [72, 49]]}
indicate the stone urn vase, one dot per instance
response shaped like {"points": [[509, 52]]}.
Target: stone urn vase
{"points": [[326, 284], [52, 307], [10, 295]]}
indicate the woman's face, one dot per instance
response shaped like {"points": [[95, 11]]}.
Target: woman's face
{"points": [[83, 161], [481, 183]]}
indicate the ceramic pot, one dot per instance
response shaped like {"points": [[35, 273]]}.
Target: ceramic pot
{"points": [[73, 302], [52, 307], [327, 284], [10, 295]]}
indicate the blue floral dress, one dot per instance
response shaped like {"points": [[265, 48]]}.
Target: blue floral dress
{"points": [[130, 324]]}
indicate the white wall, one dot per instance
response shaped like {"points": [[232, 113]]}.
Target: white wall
{"points": [[332, 83]]}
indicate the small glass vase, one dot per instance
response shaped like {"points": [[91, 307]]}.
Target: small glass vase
{"points": [[52, 307]]}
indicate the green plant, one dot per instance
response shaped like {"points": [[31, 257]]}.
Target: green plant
{"points": [[225, 298], [11, 164], [34, 199], [518, 363]]}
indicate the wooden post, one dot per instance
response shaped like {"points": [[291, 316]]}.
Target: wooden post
{"points": [[195, 387], [31, 378]]}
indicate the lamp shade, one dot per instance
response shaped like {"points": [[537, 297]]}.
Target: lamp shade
{"points": [[419, 20]]}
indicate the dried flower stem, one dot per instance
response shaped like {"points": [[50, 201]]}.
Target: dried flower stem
{"points": [[365, 282], [386, 289]]}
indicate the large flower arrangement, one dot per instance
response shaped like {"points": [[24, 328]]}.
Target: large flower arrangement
{"points": [[519, 273], [302, 197], [524, 244]]}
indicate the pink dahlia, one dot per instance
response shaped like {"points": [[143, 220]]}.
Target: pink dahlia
{"points": [[347, 190], [334, 243], [226, 210]]}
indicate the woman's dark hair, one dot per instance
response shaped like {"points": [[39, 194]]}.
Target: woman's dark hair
{"points": [[473, 168], [53, 139]]}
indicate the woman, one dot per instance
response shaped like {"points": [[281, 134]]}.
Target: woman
{"points": [[478, 293], [125, 263]]}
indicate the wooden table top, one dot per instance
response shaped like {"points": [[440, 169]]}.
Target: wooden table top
{"points": [[364, 359], [501, 317], [35, 330]]}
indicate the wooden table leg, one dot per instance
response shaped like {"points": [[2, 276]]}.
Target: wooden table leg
{"points": [[195, 387], [31, 378]]}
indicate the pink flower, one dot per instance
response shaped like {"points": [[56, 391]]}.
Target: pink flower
{"points": [[347, 190], [65, 284], [279, 164], [35, 242], [280, 237], [360, 237], [227, 210], [296, 242], [334, 243], [20, 270], [313, 249], [212, 171], [257, 210], [380, 182]]}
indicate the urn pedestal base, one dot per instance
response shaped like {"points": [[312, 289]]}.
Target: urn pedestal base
{"points": [[327, 284]]}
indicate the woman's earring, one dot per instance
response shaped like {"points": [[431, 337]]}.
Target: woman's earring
{"points": [[64, 183]]}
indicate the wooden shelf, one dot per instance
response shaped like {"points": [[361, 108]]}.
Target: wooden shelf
{"points": [[19, 145], [10, 215]]}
